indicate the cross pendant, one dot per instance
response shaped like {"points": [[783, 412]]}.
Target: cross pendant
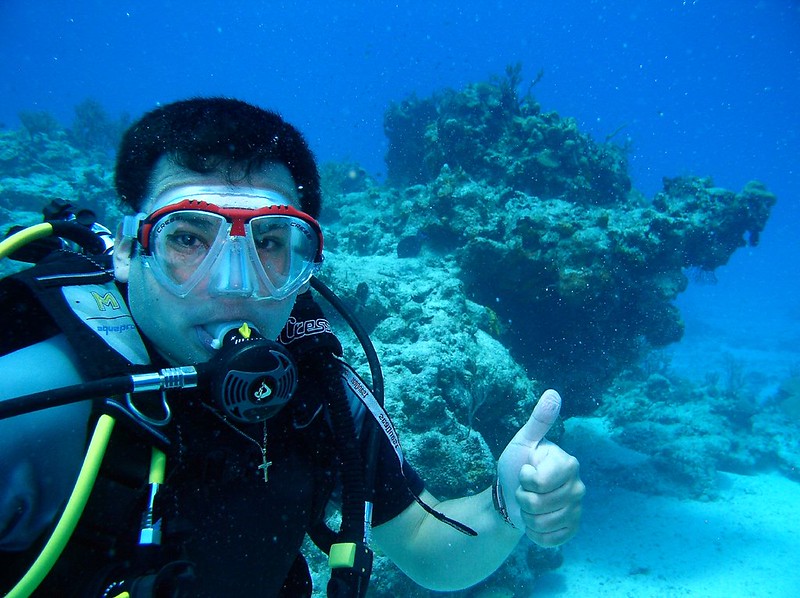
{"points": [[264, 466]]}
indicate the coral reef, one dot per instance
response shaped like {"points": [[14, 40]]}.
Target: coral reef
{"points": [[487, 131], [40, 162], [691, 431], [575, 274], [584, 271]]}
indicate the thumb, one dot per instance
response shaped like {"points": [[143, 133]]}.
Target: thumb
{"points": [[544, 414], [519, 451]]}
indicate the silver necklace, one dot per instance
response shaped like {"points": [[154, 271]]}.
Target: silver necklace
{"points": [[261, 447]]}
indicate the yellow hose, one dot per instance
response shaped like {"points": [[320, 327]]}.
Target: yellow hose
{"points": [[158, 466], [72, 512], [23, 237]]}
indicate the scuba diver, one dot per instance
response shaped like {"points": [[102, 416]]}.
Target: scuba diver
{"points": [[188, 379]]}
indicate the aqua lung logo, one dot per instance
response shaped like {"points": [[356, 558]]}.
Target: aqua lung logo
{"points": [[102, 309], [264, 392], [364, 394]]}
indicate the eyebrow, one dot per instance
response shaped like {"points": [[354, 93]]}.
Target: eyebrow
{"points": [[189, 218], [270, 225]]}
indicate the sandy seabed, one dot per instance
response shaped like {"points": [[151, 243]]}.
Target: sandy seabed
{"points": [[746, 543]]}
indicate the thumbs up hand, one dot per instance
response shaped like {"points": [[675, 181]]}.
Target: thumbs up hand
{"points": [[539, 486]]}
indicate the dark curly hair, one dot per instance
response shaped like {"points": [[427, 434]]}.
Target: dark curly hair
{"points": [[214, 134]]}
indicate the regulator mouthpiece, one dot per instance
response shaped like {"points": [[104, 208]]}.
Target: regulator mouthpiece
{"points": [[229, 332], [253, 377]]}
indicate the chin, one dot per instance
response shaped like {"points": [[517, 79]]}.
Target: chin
{"points": [[183, 357], [200, 355]]}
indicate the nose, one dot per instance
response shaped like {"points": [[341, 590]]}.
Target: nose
{"points": [[232, 273]]}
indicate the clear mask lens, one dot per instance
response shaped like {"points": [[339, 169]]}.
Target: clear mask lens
{"points": [[273, 257]]}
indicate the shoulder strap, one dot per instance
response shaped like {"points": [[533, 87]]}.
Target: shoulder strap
{"points": [[75, 294]]}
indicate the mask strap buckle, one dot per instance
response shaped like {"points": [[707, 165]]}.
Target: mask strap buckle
{"points": [[131, 224]]}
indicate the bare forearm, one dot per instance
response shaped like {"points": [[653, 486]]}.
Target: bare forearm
{"points": [[444, 558]]}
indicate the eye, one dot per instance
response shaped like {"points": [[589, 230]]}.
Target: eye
{"points": [[269, 243], [185, 240], [184, 234], [271, 238]]}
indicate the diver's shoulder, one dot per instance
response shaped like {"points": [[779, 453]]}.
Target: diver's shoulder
{"points": [[40, 366]]}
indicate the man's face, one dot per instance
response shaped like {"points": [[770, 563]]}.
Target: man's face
{"points": [[182, 327]]}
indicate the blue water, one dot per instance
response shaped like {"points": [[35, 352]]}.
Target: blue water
{"points": [[704, 87], [707, 87]]}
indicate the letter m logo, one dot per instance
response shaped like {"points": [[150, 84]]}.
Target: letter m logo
{"points": [[105, 301]]}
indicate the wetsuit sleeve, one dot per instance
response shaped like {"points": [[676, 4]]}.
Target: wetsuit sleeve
{"points": [[393, 487]]}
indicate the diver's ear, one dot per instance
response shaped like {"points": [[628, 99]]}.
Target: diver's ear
{"points": [[123, 250]]}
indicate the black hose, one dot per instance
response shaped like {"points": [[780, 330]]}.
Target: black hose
{"points": [[80, 234], [372, 439], [361, 335], [346, 442], [64, 396]]}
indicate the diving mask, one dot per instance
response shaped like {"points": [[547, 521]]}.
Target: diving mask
{"points": [[214, 233]]}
